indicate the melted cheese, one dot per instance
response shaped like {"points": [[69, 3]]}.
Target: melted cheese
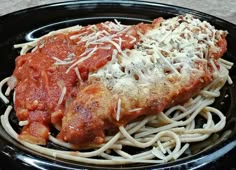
{"points": [[164, 54]]}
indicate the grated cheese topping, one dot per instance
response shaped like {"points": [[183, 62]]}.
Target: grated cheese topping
{"points": [[63, 93], [164, 55], [96, 37]]}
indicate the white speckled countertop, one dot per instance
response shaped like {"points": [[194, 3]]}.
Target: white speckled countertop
{"points": [[225, 9]]}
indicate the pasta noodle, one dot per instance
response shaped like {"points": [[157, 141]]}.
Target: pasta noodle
{"points": [[162, 138]]}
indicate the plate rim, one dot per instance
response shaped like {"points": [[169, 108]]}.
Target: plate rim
{"points": [[139, 2]]}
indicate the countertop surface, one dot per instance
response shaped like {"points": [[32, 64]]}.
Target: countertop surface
{"points": [[225, 9]]}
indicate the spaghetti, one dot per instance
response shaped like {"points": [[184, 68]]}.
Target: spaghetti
{"points": [[161, 137]]}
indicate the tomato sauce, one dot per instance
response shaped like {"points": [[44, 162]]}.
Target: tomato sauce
{"points": [[42, 74]]}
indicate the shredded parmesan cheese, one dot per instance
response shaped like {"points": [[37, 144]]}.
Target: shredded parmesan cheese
{"points": [[82, 59], [62, 96], [135, 110], [23, 123], [163, 54], [78, 73], [118, 109]]}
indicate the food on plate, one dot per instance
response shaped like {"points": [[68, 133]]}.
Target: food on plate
{"points": [[107, 86]]}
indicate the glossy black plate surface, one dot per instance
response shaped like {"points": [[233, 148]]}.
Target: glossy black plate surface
{"points": [[28, 24]]}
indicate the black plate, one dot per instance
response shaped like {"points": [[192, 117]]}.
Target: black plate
{"points": [[27, 24]]}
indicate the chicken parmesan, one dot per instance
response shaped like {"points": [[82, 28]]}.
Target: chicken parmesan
{"points": [[108, 85]]}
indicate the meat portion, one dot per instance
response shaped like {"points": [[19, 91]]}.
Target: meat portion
{"points": [[88, 116], [94, 111], [88, 82], [169, 65]]}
